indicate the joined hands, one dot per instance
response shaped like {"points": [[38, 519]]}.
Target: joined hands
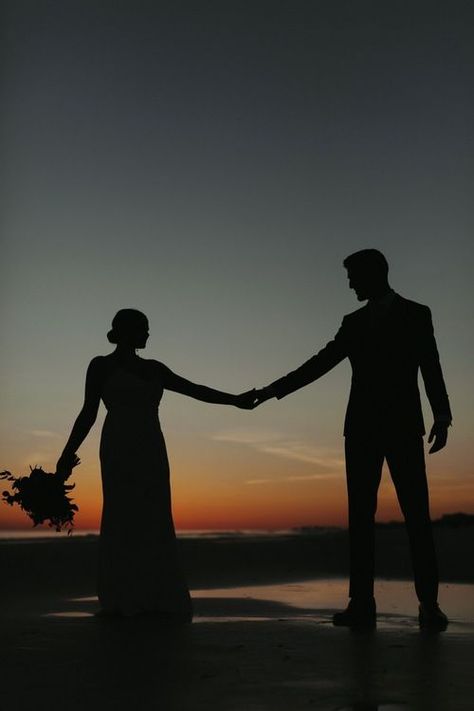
{"points": [[253, 398]]}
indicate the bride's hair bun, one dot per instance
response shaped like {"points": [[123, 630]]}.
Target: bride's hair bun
{"points": [[127, 326], [112, 336]]}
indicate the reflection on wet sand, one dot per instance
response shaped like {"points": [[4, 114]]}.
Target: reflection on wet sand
{"points": [[375, 707], [317, 600], [310, 600], [262, 648], [70, 615]]}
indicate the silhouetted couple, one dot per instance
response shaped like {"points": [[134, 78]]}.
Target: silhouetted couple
{"points": [[387, 341]]}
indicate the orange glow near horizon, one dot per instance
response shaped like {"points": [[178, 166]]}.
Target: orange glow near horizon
{"points": [[274, 506]]}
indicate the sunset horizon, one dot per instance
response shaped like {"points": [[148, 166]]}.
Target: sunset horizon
{"points": [[219, 191], [257, 509]]}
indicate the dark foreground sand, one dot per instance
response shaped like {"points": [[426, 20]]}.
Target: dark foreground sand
{"points": [[262, 638]]}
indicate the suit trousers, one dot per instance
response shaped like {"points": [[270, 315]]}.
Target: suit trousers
{"points": [[365, 455]]}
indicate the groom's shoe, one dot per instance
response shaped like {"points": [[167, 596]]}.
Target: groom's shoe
{"points": [[359, 614], [431, 617]]}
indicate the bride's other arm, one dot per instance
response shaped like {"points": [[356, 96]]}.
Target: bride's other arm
{"points": [[178, 384], [85, 418]]}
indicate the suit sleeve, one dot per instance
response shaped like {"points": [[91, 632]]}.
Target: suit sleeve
{"points": [[431, 372], [326, 359]]}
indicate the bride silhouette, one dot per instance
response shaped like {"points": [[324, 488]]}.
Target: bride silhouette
{"points": [[139, 570]]}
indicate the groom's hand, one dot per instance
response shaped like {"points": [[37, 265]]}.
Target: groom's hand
{"points": [[439, 433], [264, 394]]}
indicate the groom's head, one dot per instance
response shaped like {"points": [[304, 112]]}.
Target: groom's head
{"points": [[367, 271]]}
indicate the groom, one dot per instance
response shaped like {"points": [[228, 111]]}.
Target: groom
{"points": [[387, 341]]}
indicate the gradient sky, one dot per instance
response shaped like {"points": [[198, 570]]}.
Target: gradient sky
{"points": [[211, 163]]}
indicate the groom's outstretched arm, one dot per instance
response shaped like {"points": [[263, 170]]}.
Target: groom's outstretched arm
{"points": [[326, 359]]}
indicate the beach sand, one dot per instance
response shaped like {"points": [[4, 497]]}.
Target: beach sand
{"points": [[262, 639]]}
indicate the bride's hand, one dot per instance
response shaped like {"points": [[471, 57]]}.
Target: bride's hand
{"points": [[247, 400], [65, 465]]}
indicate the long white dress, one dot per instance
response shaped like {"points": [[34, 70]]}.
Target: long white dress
{"points": [[138, 563]]}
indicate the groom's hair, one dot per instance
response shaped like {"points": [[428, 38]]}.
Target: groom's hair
{"points": [[367, 260]]}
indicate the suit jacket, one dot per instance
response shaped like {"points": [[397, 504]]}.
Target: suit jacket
{"points": [[385, 356]]}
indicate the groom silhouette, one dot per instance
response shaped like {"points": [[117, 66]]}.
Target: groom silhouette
{"points": [[387, 341]]}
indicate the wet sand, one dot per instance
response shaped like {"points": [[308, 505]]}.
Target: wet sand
{"points": [[253, 646]]}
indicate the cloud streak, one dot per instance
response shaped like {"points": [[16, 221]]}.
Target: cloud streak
{"points": [[310, 477], [326, 461]]}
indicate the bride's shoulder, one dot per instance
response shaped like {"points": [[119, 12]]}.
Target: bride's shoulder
{"points": [[162, 372], [100, 361], [157, 367], [99, 365]]}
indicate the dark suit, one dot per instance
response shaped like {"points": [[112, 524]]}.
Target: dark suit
{"points": [[384, 421]]}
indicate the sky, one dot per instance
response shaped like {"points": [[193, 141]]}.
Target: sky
{"points": [[212, 163]]}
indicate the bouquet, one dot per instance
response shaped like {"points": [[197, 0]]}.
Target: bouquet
{"points": [[43, 497]]}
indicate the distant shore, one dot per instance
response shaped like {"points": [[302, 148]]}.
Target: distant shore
{"points": [[451, 520]]}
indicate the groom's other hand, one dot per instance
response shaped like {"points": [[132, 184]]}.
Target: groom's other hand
{"points": [[264, 394], [439, 433]]}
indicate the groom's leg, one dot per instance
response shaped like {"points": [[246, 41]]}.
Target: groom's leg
{"points": [[406, 461], [364, 460]]}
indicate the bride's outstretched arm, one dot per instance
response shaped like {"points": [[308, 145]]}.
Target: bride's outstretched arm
{"points": [[86, 417], [178, 384]]}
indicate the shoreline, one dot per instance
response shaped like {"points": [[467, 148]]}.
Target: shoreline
{"points": [[227, 559]]}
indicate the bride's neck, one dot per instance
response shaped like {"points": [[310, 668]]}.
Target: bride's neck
{"points": [[125, 352]]}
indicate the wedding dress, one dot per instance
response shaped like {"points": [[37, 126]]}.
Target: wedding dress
{"points": [[138, 563]]}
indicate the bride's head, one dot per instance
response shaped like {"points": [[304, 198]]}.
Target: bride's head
{"points": [[129, 328]]}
